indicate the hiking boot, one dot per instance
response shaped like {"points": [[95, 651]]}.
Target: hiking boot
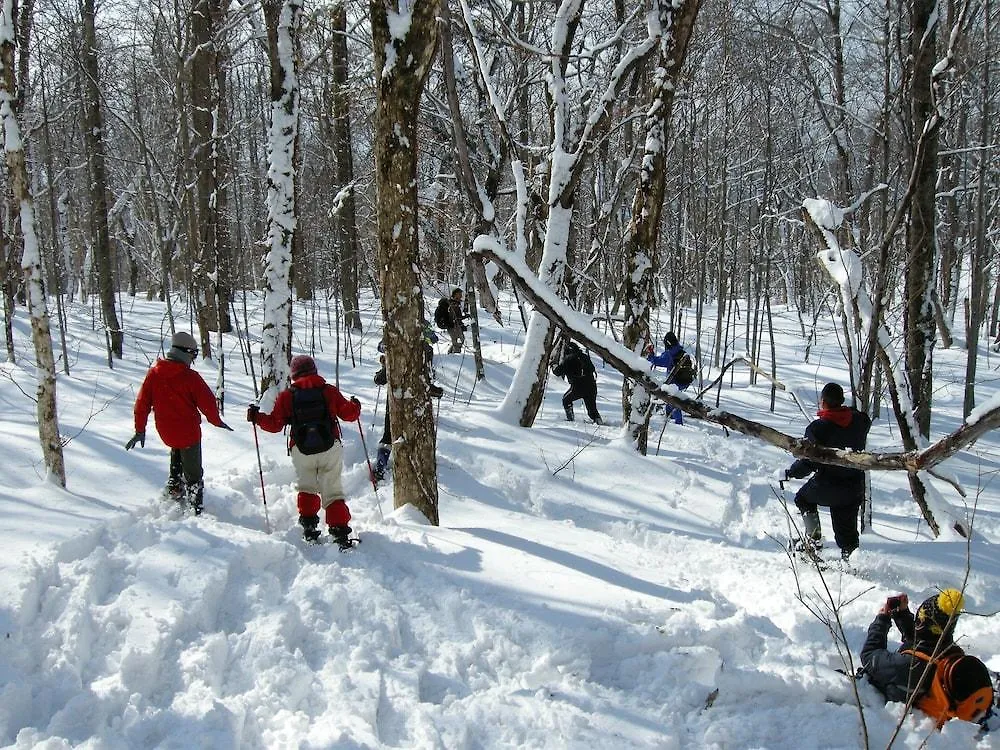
{"points": [[175, 489], [341, 535], [569, 412], [811, 527], [310, 528], [196, 497]]}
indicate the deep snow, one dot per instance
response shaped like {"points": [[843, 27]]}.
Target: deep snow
{"points": [[576, 594]]}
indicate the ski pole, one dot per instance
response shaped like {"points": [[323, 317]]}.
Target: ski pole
{"points": [[260, 470], [371, 472]]}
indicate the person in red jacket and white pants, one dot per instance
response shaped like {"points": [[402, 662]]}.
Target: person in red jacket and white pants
{"points": [[178, 396], [317, 470]]}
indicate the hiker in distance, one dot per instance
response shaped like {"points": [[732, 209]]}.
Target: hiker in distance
{"points": [[942, 680], [448, 316], [311, 408], [679, 366], [579, 371], [178, 396], [839, 488], [382, 378]]}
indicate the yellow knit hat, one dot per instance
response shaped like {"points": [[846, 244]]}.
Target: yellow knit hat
{"points": [[937, 611]]}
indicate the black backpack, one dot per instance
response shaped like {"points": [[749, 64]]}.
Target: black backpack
{"points": [[684, 371], [442, 318], [313, 430]]}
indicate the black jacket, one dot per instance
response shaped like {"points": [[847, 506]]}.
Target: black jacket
{"points": [[894, 674], [834, 485], [576, 367]]}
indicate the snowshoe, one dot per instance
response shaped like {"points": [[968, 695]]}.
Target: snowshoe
{"points": [[342, 536], [808, 550]]}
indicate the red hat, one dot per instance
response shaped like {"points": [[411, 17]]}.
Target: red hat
{"points": [[303, 365]]}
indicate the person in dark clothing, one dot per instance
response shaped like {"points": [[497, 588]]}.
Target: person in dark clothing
{"points": [[904, 675], [457, 328], [178, 396], [668, 360], [579, 371], [839, 488], [382, 378]]}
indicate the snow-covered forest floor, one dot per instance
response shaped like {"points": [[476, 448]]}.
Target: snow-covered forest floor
{"points": [[576, 595]]}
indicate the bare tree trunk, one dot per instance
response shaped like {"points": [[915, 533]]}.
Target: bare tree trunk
{"points": [[919, 323], [400, 79], [93, 133], [976, 305], [346, 217], [31, 262]]}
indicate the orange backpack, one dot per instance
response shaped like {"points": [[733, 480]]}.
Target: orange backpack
{"points": [[938, 702]]}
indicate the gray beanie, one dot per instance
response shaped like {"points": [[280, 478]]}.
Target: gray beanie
{"points": [[183, 347]]}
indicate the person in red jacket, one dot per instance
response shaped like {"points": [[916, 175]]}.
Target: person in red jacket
{"points": [[176, 394], [311, 407]]}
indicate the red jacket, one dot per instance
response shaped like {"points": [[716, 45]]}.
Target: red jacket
{"points": [[339, 406], [176, 394]]}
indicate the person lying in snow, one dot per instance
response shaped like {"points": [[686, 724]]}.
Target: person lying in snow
{"points": [[929, 668]]}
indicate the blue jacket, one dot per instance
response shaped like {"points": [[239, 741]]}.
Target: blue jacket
{"points": [[668, 358]]}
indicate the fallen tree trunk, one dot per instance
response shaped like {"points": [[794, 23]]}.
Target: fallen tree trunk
{"points": [[578, 328]]}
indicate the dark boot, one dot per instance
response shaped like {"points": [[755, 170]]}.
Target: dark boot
{"points": [[810, 522], [196, 497], [382, 462], [175, 482], [341, 535], [569, 412], [175, 489], [310, 528]]}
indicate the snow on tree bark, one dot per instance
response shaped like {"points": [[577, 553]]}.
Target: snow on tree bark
{"points": [[31, 260], [675, 21], [282, 29]]}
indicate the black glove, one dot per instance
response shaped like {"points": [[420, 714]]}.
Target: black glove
{"points": [[355, 401], [224, 426], [252, 411], [381, 378], [139, 437]]}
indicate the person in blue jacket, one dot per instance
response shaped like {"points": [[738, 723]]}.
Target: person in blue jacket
{"points": [[668, 360]]}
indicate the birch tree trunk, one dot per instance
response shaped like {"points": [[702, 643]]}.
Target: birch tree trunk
{"points": [[31, 259], [401, 67], [282, 19]]}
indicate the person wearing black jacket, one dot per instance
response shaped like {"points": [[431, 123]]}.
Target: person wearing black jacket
{"points": [[839, 488], [579, 371]]}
